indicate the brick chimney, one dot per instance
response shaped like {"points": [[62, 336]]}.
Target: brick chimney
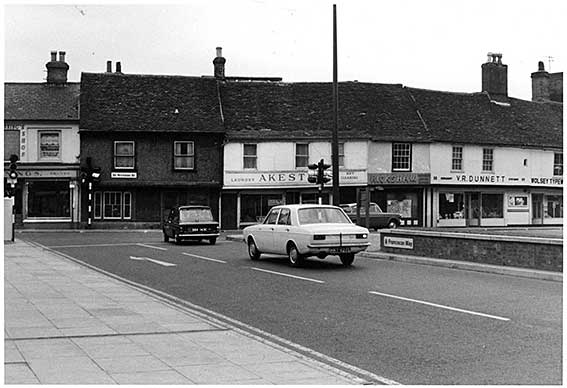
{"points": [[495, 76], [546, 86], [57, 69], [219, 62]]}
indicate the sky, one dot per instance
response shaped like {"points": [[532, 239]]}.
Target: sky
{"points": [[429, 44]]}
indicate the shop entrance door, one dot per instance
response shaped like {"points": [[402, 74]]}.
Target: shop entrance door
{"points": [[537, 209], [472, 209]]}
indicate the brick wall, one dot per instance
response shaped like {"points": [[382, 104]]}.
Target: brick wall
{"points": [[512, 251]]}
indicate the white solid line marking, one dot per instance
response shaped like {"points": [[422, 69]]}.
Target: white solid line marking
{"points": [[441, 306], [288, 275], [151, 246], [205, 258], [164, 263]]}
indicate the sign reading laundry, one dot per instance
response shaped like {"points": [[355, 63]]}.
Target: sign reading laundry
{"points": [[285, 178]]}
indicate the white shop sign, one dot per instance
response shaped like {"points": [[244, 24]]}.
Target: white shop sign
{"points": [[398, 242], [287, 178]]}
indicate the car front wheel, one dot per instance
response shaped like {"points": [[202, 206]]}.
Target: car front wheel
{"points": [[213, 240], [253, 251], [347, 259], [177, 238], [295, 258]]}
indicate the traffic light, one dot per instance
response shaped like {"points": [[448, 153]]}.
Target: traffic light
{"points": [[324, 174], [13, 174], [312, 173]]}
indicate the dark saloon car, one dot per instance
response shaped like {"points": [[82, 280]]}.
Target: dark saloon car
{"points": [[378, 219], [191, 222]]}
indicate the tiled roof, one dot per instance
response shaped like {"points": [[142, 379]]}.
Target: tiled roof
{"points": [[41, 102], [474, 118], [276, 110], [125, 102]]}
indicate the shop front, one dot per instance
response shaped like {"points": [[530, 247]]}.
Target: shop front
{"points": [[402, 193], [498, 201], [47, 196], [247, 196]]}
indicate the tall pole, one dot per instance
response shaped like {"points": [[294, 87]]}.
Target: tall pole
{"points": [[335, 140]]}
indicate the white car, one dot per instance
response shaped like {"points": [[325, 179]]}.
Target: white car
{"points": [[299, 231]]}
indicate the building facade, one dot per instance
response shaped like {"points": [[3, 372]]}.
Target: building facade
{"points": [[157, 141], [41, 127]]}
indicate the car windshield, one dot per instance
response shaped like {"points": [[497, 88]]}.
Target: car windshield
{"points": [[322, 215], [195, 215]]}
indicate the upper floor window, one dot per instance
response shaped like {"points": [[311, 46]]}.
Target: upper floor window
{"points": [[558, 163], [184, 155], [341, 154], [301, 155], [124, 154], [457, 159], [250, 156], [401, 157], [487, 159], [49, 145]]}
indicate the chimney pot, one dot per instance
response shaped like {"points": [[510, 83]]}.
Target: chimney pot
{"points": [[219, 52], [218, 63], [540, 66], [118, 67], [109, 66], [53, 56], [61, 56]]}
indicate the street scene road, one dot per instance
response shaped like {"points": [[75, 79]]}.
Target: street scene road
{"points": [[409, 323]]}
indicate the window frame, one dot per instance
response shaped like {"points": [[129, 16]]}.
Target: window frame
{"points": [[190, 156], [304, 157], [409, 156], [486, 160], [133, 156], [557, 167], [253, 157], [341, 154], [457, 160], [42, 132]]}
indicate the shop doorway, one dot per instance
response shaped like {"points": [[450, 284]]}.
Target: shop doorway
{"points": [[537, 209], [472, 209]]}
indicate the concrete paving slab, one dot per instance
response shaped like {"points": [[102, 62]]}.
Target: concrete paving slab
{"points": [[19, 373], [129, 364], [152, 378], [219, 373]]}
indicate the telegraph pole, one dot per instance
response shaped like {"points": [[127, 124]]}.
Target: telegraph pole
{"points": [[335, 139]]}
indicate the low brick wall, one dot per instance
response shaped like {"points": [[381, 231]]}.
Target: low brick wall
{"points": [[514, 251]]}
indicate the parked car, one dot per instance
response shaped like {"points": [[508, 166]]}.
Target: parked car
{"points": [[300, 231], [378, 219], [190, 222]]}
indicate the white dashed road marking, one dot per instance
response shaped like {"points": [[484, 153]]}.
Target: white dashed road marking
{"points": [[441, 306], [204, 258], [151, 246], [164, 263], [288, 275]]}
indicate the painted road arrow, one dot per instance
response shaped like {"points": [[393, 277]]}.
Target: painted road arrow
{"points": [[165, 264]]}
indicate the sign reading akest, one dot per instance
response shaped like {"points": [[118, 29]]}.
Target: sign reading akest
{"points": [[398, 242]]}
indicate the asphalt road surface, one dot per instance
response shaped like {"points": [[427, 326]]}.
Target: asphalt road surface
{"points": [[409, 323]]}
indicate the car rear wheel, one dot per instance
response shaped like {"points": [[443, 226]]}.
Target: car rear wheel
{"points": [[213, 240], [392, 224], [347, 259], [253, 251], [295, 258], [165, 237]]}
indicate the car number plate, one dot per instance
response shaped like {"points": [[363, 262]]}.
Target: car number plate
{"points": [[340, 250]]}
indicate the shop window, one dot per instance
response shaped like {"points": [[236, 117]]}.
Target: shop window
{"points": [[492, 205], [254, 207], [250, 156], [401, 157], [558, 163], [451, 206], [554, 207], [518, 201], [49, 199], [405, 204], [341, 154], [457, 159], [301, 155], [487, 159], [112, 205], [184, 155], [124, 154], [49, 145]]}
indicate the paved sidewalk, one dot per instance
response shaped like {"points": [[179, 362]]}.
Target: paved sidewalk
{"points": [[69, 324]]}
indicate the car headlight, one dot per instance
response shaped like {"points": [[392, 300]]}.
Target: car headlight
{"points": [[362, 235], [319, 237]]}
